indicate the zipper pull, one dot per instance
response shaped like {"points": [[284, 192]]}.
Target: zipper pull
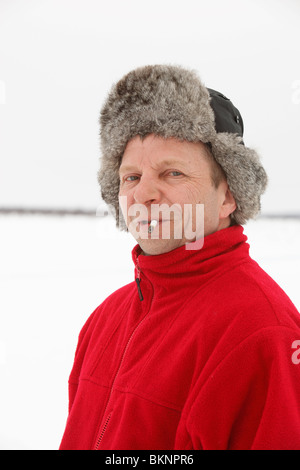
{"points": [[138, 281]]}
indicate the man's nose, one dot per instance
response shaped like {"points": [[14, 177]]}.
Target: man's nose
{"points": [[147, 191]]}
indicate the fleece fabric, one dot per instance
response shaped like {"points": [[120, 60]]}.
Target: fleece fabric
{"points": [[201, 358]]}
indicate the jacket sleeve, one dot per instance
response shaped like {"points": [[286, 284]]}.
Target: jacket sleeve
{"points": [[252, 399], [82, 344]]}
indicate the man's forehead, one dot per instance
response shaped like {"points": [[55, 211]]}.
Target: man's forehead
{"points": [[160, 152], [157, 164]]}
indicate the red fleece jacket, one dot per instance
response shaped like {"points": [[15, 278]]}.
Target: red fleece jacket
{"points": [[206, 360]]}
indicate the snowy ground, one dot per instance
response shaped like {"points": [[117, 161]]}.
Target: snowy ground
{"points": [[54, 271]]}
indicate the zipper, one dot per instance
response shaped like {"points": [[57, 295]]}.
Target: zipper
{"points": [[138, 282], [104, 427], [102, 432]]}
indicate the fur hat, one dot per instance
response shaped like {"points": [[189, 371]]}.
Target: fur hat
{"points": [[171, 101]]}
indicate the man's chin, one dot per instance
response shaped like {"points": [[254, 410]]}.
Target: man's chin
{"points": [[152, 247]]}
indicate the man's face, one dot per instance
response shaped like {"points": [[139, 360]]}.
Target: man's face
{"points": [[168, 173]]}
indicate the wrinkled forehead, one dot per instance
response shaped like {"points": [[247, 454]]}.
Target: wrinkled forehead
{"points": [[156, 151]]}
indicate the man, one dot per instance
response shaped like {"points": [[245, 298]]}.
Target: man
{"points": [[196, 353]]}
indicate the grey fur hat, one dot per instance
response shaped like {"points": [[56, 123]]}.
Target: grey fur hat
{"points": [[171, 101]]}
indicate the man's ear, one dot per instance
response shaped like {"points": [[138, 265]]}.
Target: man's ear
{"points": [[228, 205]]}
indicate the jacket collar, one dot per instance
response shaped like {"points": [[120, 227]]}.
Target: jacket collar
{"points": [[224, 247]]}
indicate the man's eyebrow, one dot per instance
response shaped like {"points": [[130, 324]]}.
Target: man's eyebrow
{"points": [[127, 168], [167, 162], [172, 161]]}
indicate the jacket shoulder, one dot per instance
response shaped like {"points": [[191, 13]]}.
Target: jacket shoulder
{"points": [[262, 293]]}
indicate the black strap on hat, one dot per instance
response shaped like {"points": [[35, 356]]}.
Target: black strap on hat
{"points": [[227, 116]]}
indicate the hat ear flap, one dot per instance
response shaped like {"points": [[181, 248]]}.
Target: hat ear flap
{"points": [[246, 177]]}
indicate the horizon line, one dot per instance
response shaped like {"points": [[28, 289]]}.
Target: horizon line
{"points": [[104, 212]]}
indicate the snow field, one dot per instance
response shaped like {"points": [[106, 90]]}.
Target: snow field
{"points": [[54, 271]]}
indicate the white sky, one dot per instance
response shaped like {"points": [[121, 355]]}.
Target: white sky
{"points": [[59, 58]]}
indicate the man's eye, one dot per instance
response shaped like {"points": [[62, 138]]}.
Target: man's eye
{"points": [[131, 178], [175, 173]]}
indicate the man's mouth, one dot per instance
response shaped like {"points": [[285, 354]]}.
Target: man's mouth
{"points": [[150, 226], [148, 223]]}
